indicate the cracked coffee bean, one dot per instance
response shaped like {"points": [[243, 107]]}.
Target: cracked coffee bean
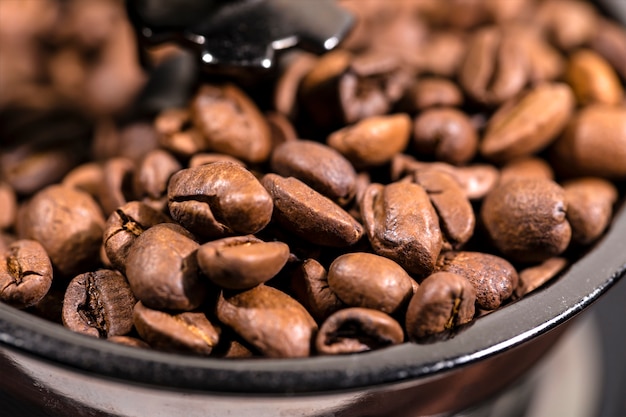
{"points": [[25, 274]]}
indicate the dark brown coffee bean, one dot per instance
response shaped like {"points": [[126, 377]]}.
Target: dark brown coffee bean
{"points": [[242, 262], [231, 123], [270, 320], [99, 304], [430, 92], [609, 41], [402, 225], [153, 173], [162, 269], [526, 167], [534, 277], [69, 224], [456, 215], [8, 202], [122, 228], [129, 341], [372, 141], [589, 207], [526, 219], [447, 134], [443, 301], [370, 281], [528, 124], [592, 79], [309, 215], [493, 70], [187, 332], [494, 279], [355, 329], [25, 274], [309, 283], [219, 199], [578, 152], [117, 186], [319, 166]]}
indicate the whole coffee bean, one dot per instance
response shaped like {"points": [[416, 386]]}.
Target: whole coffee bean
{"points": [[372, 141], [430, 92], [526, 167], [129, 341], [153, 173], [443, 301], [534, 277], [219, 199], [270, 320], [526, 219], [286, 91], [494, 279], [593, 79], [402, 225], [370, 281], [568, 24], [242, 262], [578, 152], [68, 223], [8, 201], [309, 283], [187, 332], [493, 70], [319, 166], [176, 133], [309, 215], [447, 134], [610, 41], [528, 124], [117, 185], [442, 53], [231, 123], [355, 329], [281, 129], [589, 207], [162, 269], [122, 228], [99, 304], [456, 215], [208, 158], [545, 62], [87, 177], [25, 274]]}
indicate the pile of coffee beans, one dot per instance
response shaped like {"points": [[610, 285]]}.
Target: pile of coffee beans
{"points": [[445, 161]]}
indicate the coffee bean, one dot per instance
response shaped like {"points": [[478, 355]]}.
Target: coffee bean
{"points": [[242, 262], [545, 62], [208, 158], [442, 302], [99, 304], [569, 24], [219, 199], [310, 286], [25, 274], [593, 80], [8, 200], [402, 225], [270, 320], [87, 177], [281, 129], [286, 91], [370, 281], [153, 173], [534, 277], [430, 92], [609, 40], [526, 219], [355, 329], [117, 186], [526, 167]]}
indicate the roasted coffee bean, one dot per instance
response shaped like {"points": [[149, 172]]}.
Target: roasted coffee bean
{"points": [[270, 320], [355, 329], [578, 152], [366, 280], [456, 215], [177, 135], [281, 129], [231, 123], [122, 228], [319, 166], [129, 341], [309, 215], [402, 225], [610, 41], [25, 274], [526, 219], [372, 141], [526, 167], [569, 24], [589, 207], [153, 173], [99, 304], [443, 301], [187, 332], [593, 80], [87, 177], [534, 277], [117, 184], [528, 124], [447, 134], [162, 269], [442, 53], [8, 201], [545, 62], [208, 158], [309, 283], [219, 199], [430, 92], [242, 262], [68, 223], [494, 279], [286, 92]]}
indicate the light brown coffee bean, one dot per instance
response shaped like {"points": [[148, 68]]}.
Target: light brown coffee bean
{"points": [[270, 320], [593, 79], [443, 301], [242, 262], [402, 225], [568, 24], [526, 219], [545, 62], [309, 283], [528, 124], [370, 281], [354, 330], [87, 177], [534, 277]]}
